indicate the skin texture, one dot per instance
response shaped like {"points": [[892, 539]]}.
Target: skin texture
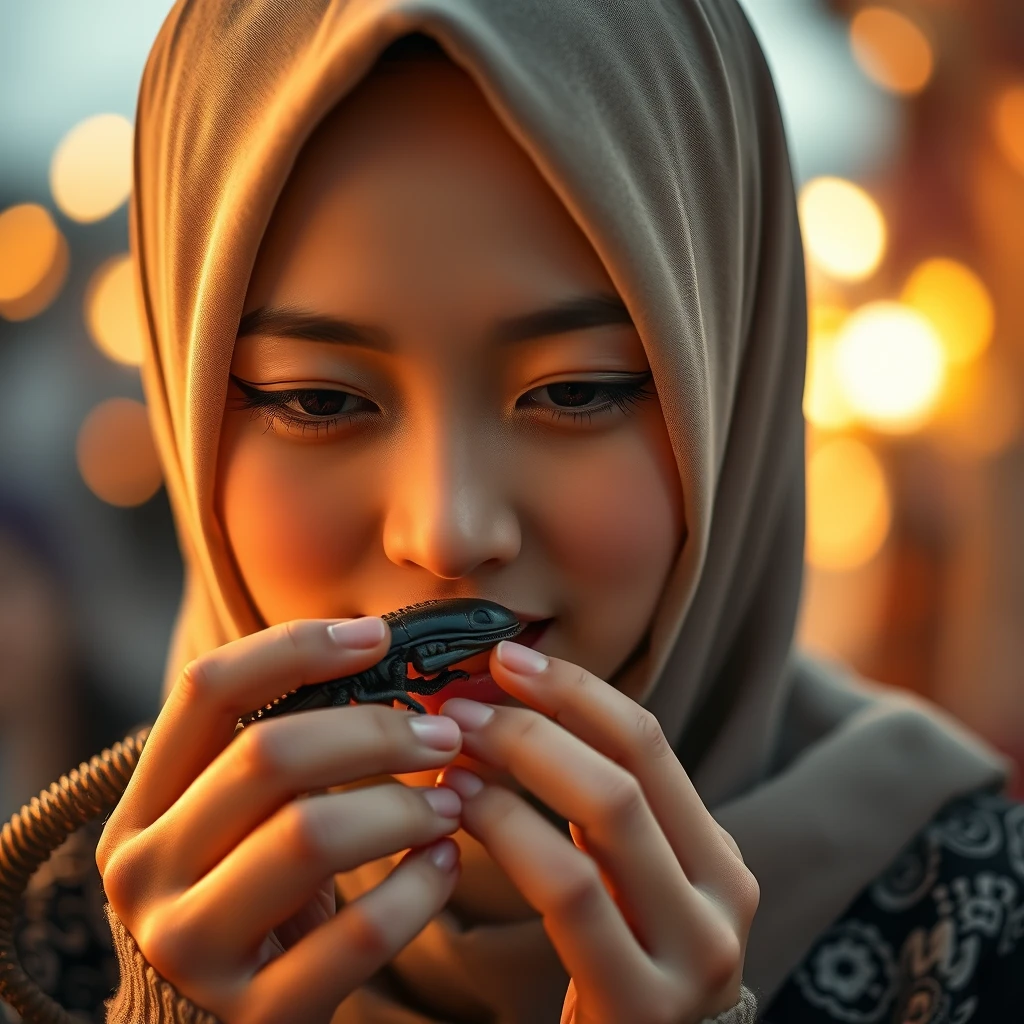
{"points": [[461, 472]]}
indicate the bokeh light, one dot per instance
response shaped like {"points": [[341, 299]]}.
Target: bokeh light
{"points": [[112, 314], [958, 305], [91, 171], [981, 413], [116, 455], [825, 403], [849, 509], [891, 50], [1008, 124], [891, 366], [33, 261], [843, 228]]}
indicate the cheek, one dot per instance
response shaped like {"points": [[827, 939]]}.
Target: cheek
{"points": [[617, 517], [296, 522], [612, 521]]}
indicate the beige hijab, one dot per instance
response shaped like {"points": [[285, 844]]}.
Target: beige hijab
{"points": [[656, 123]]}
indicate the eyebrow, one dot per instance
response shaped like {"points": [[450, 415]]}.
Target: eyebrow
{"points": [[586, 311]]}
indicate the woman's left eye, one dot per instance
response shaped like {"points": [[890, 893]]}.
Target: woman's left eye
{"points": [[579, 398]]}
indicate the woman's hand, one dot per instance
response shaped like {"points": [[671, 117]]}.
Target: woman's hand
{"points": [[216, 844], [650, 910]]}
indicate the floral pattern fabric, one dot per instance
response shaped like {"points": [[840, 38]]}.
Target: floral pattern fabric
{"points": [[937, 939]]}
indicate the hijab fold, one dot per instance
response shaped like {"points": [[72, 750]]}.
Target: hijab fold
{"points": [[656, 124]]}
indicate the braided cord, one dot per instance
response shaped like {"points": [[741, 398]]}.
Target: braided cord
{"points": [[27, 840]]}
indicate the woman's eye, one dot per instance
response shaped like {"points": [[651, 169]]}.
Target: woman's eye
{"points": [[589, 398], [325, 402], [571, 394]]}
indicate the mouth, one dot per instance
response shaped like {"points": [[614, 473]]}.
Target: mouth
{"points": [[480, 686]]}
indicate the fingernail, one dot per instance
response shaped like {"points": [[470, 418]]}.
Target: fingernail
{"points": [[524, 660], [470, 714], [436, 731], [444, 854], [445, 801], [358, 633], [465, 783]]}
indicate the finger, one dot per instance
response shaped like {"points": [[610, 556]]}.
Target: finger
{"points": [[307, 983], [603, 801], [564, 885], [628, 734], [276, 760], [275, 871], [198, 719]]}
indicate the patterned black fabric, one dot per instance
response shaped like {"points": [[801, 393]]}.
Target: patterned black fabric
{"points": [[937, 939]]}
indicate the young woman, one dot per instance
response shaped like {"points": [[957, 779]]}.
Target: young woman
{"points": [[516, 312]]}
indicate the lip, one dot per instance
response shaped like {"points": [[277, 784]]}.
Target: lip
{"points": [[480, 686]]}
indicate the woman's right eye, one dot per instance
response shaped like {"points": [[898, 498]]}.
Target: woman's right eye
{"points": [[313, 410], [325, 402]]}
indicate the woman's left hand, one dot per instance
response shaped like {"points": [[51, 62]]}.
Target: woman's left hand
{"points": [[650, 910]]}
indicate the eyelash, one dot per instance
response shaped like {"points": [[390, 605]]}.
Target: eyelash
{"points": [[621, 394]]}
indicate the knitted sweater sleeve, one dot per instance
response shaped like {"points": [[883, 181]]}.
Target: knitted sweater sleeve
{"points": [[144, 997]]}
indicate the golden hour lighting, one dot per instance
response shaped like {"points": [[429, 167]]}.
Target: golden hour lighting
{"points": [[116, 456], [958, 305], [33, 261], [111, 313], [848, 505], [1008, 124], [843, 228], [825, 404], [91, 171], [981, 414], [891, 365], [891, 50]]}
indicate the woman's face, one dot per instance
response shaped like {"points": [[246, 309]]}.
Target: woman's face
{"points": [[437, 391]]}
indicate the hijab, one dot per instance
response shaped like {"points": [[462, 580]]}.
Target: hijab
{"points": [[657, 125]]}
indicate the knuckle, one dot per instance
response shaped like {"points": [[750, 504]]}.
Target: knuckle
{"points": [[290, 634], [650, 736], [578, 678], [368, 935], [721, 958], [623, 800], [663, 1005], [124, 876], [580, 887], [167, 943], [195, 681], [746, 896], [262, 749], [304, 828]]}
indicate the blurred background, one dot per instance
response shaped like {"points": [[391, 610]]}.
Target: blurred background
{"points": [[906, 123]]}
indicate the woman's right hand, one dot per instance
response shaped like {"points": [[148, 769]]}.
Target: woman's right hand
{"points": [[215, 843]]}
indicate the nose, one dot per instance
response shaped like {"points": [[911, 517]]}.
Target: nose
{"points": [[449, 510]]}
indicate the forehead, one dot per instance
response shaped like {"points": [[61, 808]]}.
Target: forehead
{"points": [[414, 178]]}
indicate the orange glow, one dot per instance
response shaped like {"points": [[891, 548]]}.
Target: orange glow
{"points": [[958, 305], [33, 261], [91, 171], [849, 509], [843, 228], [891, 50], [111, 312], [116, 455], [825, 404], [1008, 124], [982, 415], [891, 365]]}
